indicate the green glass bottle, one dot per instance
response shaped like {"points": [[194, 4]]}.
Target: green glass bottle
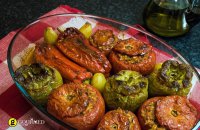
{"points": [[166, 17]]}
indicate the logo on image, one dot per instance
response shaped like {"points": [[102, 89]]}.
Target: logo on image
{"points": [[12, 122]]}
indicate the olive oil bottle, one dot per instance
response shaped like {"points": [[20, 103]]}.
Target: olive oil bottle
{"points": [[166, 17]]}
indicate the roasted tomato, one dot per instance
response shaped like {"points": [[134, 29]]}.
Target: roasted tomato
{"points": [[51, 56], [127, 90], [77, 48], [176, 113], [78, 105], [170, 78], [119, 120], [132, 54], [38, 80], [147, 117], [104, 40]]}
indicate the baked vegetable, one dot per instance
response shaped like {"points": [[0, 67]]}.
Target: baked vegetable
{"points": [[126, 89], [38, 80], [50, 36], [104, 40], [119, 120], [132, 54], [25, 57], [176, 113], [86, 30], [170, 78], [51, 56], [98, 81], [77, 48], [147, 115], [78, 105]]}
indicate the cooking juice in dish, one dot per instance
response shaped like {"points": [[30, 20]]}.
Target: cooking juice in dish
{"points": [[166, 18]]}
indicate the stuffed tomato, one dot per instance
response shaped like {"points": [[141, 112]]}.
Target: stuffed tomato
{"points": [[132, 54], [78, 105]]}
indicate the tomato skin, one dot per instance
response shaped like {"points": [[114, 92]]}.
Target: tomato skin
{"points": [[146, 114], [144, 67], [104, 40], [117, 119], [132, 54], [176, 112], [79, 105]]}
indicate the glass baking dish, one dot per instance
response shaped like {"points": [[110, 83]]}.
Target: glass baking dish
{"points": [[33, 33]]}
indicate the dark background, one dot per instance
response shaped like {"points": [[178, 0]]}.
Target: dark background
{"points": [[17, 13]]}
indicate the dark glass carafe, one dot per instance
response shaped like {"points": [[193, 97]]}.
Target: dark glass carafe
{"points": [[169, 17]]}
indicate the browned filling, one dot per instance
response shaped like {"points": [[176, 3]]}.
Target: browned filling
{"points": [[132, 59], [103, 39], [73, 100], [118, 120]]}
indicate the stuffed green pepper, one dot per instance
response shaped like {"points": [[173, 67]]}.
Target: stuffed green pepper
{"points": [[170, 78], [38, 80], [126, 89]]}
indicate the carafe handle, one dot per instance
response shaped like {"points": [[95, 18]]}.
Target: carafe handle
{"points": [[193, 13]]}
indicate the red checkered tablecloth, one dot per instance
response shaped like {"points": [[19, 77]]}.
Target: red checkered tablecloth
{"points": [[13, 104]]}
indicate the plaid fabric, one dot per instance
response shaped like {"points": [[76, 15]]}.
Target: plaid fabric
{"points": [[14, 105]]}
